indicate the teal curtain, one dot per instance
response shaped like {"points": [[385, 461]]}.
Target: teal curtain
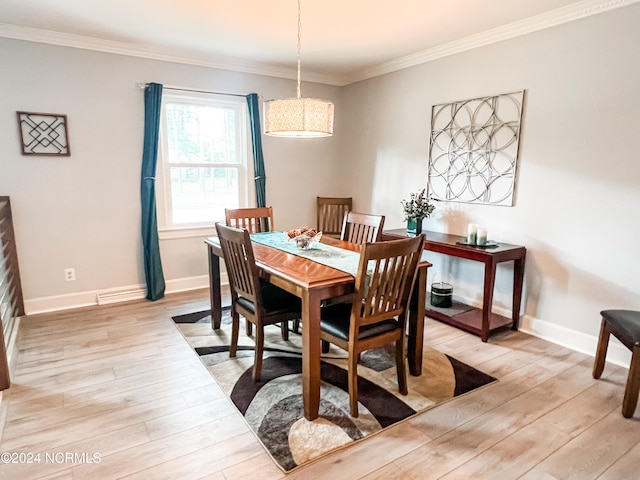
{"points": [[150, 244], [258, 158]]}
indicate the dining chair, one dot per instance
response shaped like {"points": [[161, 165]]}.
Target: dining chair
{"points": [[259, 301], [361, 228], [259, 219], [356, 228], [330, 214], [378, 314], [255, 220], [625, 326]]}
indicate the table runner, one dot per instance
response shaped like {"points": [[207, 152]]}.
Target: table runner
{"points": [[334, 257]]}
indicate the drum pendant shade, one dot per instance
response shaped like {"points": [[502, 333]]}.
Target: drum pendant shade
{"points": [[298, 117]]}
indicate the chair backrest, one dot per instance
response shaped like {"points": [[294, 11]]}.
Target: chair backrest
{"points": [[255, 220], [361, 228], [240, 262], [330, 212], [384, 282]]}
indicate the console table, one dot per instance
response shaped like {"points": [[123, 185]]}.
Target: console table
{"points": [[481, 322]]}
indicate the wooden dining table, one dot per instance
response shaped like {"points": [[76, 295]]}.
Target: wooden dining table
{"points": [[314, 283]]}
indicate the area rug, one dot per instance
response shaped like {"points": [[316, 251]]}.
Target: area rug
{"points": [[273, 406]]}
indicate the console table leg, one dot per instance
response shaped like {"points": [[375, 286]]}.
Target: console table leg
{"points": [[518, 282], [487, 300]]}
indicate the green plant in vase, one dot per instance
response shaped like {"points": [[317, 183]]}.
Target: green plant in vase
{"points": [[415, 210]]}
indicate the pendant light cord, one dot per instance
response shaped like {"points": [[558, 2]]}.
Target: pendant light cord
{"points": [[299, 43]]}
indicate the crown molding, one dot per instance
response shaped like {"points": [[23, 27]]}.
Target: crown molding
{"points": [[559, 16], [572, 12], [29, 34]]}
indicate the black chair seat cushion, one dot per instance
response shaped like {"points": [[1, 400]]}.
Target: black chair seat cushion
{"points": [[624, 325], [275, 300], [335, 321]]}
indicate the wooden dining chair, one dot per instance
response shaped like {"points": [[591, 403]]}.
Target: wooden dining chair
{"points": [[356, 228], [361, 228], [255, 220], [259, 301], [259, 219], [378, 314], [625, 326], [330, 214]]}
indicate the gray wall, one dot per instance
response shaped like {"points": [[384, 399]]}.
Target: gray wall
{"points": [[578, 187], [577, 198], [83, 211]]}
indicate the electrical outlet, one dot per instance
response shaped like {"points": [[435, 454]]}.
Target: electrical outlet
{"points": [[70, 274]]}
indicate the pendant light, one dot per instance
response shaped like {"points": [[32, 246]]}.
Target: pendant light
{"points": [[298, 117]]}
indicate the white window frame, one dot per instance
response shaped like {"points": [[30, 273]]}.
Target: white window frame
{"points": [[166, 228]]}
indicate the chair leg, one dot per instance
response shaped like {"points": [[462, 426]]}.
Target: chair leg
{"points": [[601, 351], [257, 363], [401, 367], [325, 346], [296, 326], [249, 328], [353, 384], [284, 328], [235, 329], [633, 385]]}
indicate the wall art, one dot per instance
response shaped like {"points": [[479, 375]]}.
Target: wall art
{"points": [[43, 134], [473, 149]]}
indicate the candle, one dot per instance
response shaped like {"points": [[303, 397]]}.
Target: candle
{"points": [[472, 232], [441, 294], [482, 236]]}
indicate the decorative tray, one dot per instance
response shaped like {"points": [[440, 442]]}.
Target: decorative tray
{"points": [[489, 244]]}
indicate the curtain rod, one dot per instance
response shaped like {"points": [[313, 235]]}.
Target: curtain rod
{"points": [[184, 89]]}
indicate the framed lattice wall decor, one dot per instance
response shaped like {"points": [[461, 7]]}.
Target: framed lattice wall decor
{"points": [[43, 134], [473, 149]]}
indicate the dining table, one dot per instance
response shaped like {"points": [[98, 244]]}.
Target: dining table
{"points": [[315, 283]]}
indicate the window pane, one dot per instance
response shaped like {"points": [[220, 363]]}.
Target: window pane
{"points": [[200, 195], [201, 133]]}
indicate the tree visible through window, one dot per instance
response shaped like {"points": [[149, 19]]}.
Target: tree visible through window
{"points": [[204, 152]]}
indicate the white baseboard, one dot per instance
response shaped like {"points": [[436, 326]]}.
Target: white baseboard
{"points": [[191, 283], [585, 343], [617, 353], [59, 302], [111, 295]]}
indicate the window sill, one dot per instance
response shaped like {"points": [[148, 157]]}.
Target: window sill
{"points": [[188, 232]]}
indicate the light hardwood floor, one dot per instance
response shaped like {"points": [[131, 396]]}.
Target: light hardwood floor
{"points": [[119, 382]]}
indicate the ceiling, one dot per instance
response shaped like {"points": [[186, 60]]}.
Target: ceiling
{"points": [[342, 40]]}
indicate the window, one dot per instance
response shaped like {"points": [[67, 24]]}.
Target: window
{"points": [[202, 165]]}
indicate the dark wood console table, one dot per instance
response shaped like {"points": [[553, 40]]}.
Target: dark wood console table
{"points": [[481, 322]]}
